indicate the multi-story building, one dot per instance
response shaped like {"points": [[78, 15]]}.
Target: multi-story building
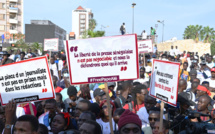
{"points": [[39, 30], [80, 20], [11, 18]]}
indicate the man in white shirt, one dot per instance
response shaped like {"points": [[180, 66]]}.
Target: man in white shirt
{"points": [[176, 50], [212, 79], [172, 52], [144, 35], [210, 63], [53, 66]]}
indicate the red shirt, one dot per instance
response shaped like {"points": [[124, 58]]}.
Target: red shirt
{"points": [[58, 89], [137, 107]]}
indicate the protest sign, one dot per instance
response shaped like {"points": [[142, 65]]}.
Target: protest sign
{"points": [[25, 81], [103, 59], [51, 44], [164, 81], [145, 46]]}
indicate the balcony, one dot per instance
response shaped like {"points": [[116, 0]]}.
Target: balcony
{"points": [[13, 9], [13, 31], [13, 21], [14, 1]]}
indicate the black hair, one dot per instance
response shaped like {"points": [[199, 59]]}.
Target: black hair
{"points": [[59, 94], [143, 68], [205, 82], [70, 126], [164, 55], [119, 88], [44, 129], [85, 93], [53, 101], [126, 85], [22, 53], [136, 90], [94, 108], [32, 120], [53, 57], [155, 109], [118, 111], [72, 91], [93, 117], [1, 125], [97, 129], [136, 83], [186, 63], [86, 102]]}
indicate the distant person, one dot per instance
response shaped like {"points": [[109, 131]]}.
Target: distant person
{"points": [[172, 52], [5, 58], [153, 32], [144, 35], [176, 50], [22, 57], [155, 49], [122, 29]]}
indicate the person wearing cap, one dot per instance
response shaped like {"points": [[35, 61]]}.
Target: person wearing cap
{"points": [[129, 122], [212, 79], [111, 86], [6, 59], [97, 94]]}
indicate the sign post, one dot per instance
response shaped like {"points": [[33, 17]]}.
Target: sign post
{"points": [[164, 84], [105, 59], [145, 46], [51, 44], [26, 81]]}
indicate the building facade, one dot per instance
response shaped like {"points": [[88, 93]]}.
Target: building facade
{"points": [[11, 19], [80, 21], [39, 30]]}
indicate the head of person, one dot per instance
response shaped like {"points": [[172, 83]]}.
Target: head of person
{"points": [[61, 122], [165, 129], [95, 109], [176, 47], [72, 93], [139, 93], [201, 90], [90, 127], [154, 115], [42, 129], [149, 102], [123, 23], [5, 55], [129, 123], [85, 116], [151, 28], [164, 56], [29, 50], [97, 94], [111, 85], [193, 74], [104, 108], [144, 31], [22, 55], [185, 101], [54, 79], [51, 107], [82, 106], [59, 97], [195, 83], [117, 113], [142, 72], [185, 65], [203, 103], [26, 124], [182, 85], [18, 51], [171, 47], [206, 84], [85, 93], [213, 72], [127, 87], [52, 60]]}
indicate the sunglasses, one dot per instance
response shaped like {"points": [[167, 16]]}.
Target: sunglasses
{"points": [[104, 106], [155, 119]]}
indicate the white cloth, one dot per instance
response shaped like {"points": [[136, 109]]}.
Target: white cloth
{"points": [[142, 81], [177, 51], [105, 126], [60, 65], [54, 68], [144, 35], [12, 57], [20, 112], [172, 52], [144, 117], [211, 82], [210, 65]]}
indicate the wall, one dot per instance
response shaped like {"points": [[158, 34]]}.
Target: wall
{"points": [[186, 45]]}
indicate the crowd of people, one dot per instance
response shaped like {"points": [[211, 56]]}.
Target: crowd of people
{"points": [[84, 108]]}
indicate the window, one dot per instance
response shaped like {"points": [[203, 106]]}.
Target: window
{"points": [[2, 17], [2, 27], [82, 21], [82, 16]]}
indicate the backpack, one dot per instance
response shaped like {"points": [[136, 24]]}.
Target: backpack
{"points": [[121, 28]]}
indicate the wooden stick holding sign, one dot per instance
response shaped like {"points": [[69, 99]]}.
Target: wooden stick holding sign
{"points": [[109, 108], [31, 108], [161, 117], [144, 59]]}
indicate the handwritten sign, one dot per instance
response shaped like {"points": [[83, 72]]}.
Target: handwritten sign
{"points": [[25, 81], [145, 46], [164, 81], [51, 44], [102, 59]]}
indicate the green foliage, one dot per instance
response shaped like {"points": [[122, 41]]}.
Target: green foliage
{"points": [[213, 48], [36, 46], [93, 34], [92, 24]]}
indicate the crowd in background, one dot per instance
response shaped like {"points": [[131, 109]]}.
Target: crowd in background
{"points": [[84, 109]]}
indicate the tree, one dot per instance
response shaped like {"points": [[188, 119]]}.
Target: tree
{"points": [[36, 46], [209, 34], [93, 34], [22, 45], [92, 24], [193, 32]]}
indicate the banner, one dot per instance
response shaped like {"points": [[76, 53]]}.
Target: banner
{"points": [[145, 46], [25, 81], [164, 81], [103, 59], [51, 44]]}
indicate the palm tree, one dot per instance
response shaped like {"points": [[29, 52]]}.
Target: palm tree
{"points": [[198, 32], [92, 24], [37, 46], [93, 34], [209, 34], [189, 32], [22, 45]]}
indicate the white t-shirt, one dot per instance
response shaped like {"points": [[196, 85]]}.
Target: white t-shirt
{"points": [[144, 35], [211, 82], [105, 126], [54, 68], [20, 112], [12, 57], [172, 52], [60, 65], [144, 117], [210, 65]]}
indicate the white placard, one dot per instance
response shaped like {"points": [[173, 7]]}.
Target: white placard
{"points": [[164, 81], [145, 46], [25, 81], [103, 59], [51, 44]]}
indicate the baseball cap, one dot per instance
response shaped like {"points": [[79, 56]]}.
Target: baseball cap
{"points": [[111, 84], [98, 92], [185, 98], [213, 69]]}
